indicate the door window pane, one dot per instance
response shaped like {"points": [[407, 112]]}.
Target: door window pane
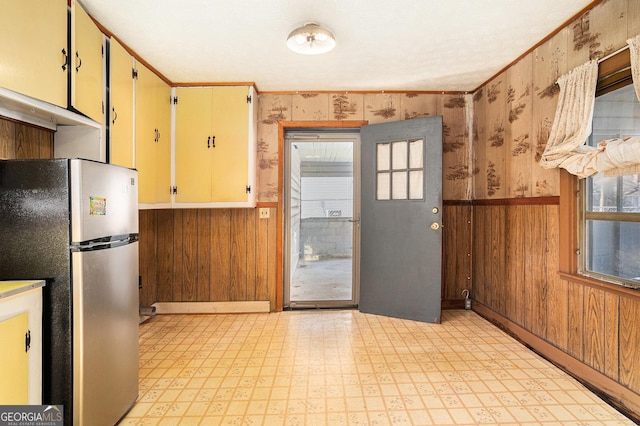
{"points": [[415, 154], [400, 174], [384, 156], [399, 155], [383, 186], [399, 186], [416, 190]]}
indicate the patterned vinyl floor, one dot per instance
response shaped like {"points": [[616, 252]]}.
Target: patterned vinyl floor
{"points": [[349, 368]]}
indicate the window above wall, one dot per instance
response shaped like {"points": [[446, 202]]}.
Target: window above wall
{"points": [[610, 205]]}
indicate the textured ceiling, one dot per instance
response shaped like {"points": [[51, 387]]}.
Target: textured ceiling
{"points": [[452, 45]]}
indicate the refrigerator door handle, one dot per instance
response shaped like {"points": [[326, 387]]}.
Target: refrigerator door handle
{"points": [[104, 243]]}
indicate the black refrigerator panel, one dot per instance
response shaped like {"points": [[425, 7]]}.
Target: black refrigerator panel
{"points": [[34, 235]]}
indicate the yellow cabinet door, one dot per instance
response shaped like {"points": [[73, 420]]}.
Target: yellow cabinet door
{"points": [[14, 374], [193, 145], [212, 144], [121, 101], [153, 139], [163, 145], [230, 157], [34, 56], [86, 64]]}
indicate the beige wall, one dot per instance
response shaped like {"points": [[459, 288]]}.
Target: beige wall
{"points": [[513, 112], [375, 108]]}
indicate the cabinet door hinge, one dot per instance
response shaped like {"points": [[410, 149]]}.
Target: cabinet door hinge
{"points": [[27, 341], [249, 99], [174, 100], [134, 73], [174, 190], [248, 189], [102, 50]]}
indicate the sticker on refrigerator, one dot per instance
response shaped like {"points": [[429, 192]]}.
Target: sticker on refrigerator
{"points": [[97, 206]]}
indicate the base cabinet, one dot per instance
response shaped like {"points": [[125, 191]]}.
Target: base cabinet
{"points": [[21, 342]]}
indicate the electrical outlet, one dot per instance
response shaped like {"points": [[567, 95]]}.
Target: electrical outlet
{"points": [[264, 213]]}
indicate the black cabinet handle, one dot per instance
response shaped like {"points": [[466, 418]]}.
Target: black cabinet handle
{"points": [[115, 115], [209, 142], [79, 61], [213, 141], [66, 60]]}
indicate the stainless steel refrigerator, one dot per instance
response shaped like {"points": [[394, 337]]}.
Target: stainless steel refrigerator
{"points": [[74, 223]]}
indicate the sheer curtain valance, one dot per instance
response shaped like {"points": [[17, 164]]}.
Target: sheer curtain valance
{"points": [[566, 147]]}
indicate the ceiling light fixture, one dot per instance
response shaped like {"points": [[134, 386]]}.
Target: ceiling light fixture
{"points": [[311, 39]]}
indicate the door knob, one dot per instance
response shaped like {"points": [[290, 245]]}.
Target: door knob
{"points": [[435, 226]]}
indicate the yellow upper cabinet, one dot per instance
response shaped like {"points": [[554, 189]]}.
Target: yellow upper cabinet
{"points": [[153, 139], [34, 56], [214, 146], [86, 64], [121, 105]]}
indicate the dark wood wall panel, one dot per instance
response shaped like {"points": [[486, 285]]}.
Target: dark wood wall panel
{"points": [[515, 274], [630, 343], [456, 247], [147, 245], [218, 255], [24, 141]]}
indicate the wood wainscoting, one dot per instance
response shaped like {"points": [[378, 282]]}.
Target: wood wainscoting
{"points": [[207, 255], [456, 252], [24, 141], [589, 328]]}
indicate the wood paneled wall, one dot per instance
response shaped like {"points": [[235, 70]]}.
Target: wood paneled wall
{"points": [[456, 252], [201, 255], [23, 141], [516, 284]]}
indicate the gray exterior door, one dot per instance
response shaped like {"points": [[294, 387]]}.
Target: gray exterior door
{"points": [[401, 233]]}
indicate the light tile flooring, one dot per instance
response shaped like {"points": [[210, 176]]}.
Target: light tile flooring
{"points": [[346, 367]]}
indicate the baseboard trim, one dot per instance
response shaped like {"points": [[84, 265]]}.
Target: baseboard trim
{"points": [[212, 307], [608, 389]]}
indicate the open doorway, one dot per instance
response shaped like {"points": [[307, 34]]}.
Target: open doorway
{"points": [[321, 218]]}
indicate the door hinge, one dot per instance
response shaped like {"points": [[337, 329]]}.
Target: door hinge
{"points": [[102, 50], [174, 100], [248, 189], [134, 73], [249, 99], [174, 190], [27, 341]]}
